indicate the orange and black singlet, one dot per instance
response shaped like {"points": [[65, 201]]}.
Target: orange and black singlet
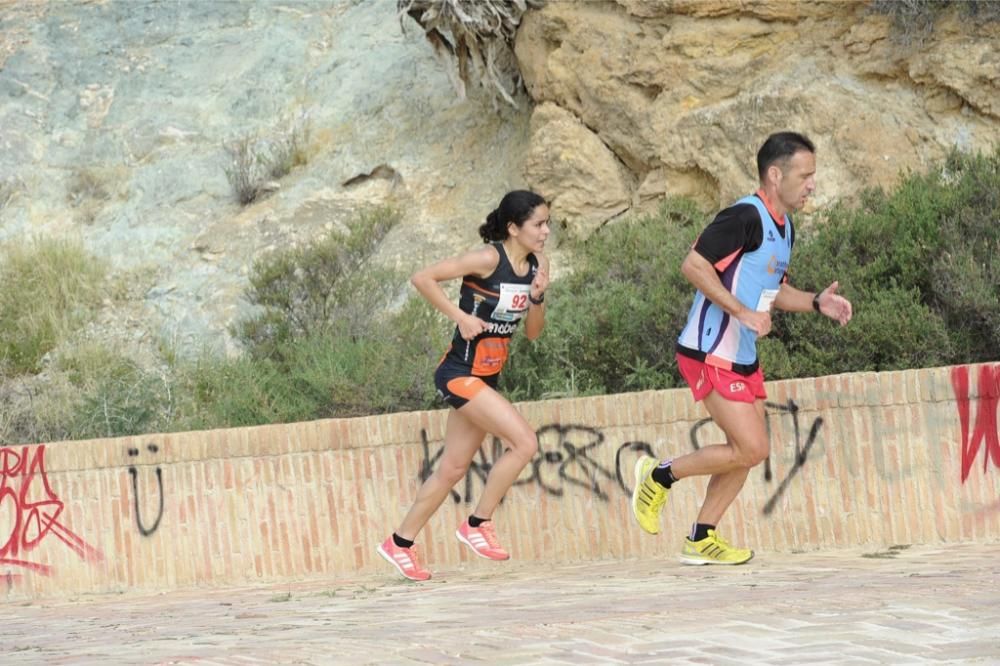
{"points": [[501, 300]]}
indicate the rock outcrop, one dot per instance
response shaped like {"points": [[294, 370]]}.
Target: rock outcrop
{"points": [[680, 94], [114, 118]]}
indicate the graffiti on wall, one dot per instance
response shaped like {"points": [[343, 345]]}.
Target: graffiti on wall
{"points": [[134, 473], [802, 449], [984, 432], [568, 456], [31, 513]]}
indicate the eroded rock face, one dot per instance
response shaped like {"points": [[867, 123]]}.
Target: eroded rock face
{"points": [[114, 117], [682, 93], [580, 176]]}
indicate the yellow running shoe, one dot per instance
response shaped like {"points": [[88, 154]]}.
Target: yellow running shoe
{"points": [[648, 497], [713, 549]]}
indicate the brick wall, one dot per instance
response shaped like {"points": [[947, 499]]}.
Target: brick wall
{"points": [[876, 459]]}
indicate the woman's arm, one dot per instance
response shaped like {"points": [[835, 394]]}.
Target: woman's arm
{"points": [[535, 321], [428, 281]]}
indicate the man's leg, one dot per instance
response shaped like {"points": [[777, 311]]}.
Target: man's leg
{"points": [[736, 405], [746, 446], [725, 486], [746, 440]]}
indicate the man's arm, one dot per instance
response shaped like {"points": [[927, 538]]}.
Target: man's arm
{"points": [[703, 276], [827, 302]]}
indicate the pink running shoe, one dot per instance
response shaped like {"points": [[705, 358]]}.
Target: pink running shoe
{"points": [[404, 559], [482, 540]]}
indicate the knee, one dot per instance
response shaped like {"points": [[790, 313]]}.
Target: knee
{"points": [[451, 473], [526, 445], [751, 454]]}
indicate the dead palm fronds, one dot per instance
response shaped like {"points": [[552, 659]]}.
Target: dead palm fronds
{"points": [[477, 36]]}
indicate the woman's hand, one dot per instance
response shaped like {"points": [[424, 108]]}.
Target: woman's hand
{"points": [[469, 326], [541, 281]]}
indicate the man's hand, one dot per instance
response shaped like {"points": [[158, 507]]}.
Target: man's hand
{"points": [[758, 322], [835, 306]]}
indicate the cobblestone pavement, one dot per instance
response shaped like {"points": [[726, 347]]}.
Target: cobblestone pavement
{"points": [[926, 604]]}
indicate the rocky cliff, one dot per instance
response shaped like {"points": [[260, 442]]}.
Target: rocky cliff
{"points": [[637, 99], [115, 116]]}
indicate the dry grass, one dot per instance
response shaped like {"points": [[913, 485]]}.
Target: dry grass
{"points": [[50, 287]]}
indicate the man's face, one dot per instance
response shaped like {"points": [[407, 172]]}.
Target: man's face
{"points": [[796, 179]]}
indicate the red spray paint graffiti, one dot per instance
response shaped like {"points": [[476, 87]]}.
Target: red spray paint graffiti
{"points": [[985, 428], [29, 511]]}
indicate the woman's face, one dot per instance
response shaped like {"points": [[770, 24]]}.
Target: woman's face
{"points": [[535, 230]]}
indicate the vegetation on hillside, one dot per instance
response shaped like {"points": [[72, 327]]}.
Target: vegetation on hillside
{"points": [[913, 20], [255, 163], [50, 288], [332, 338]]}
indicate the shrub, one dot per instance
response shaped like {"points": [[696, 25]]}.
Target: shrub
{"points": [[116, 396], [289, 150], [246, 169], [611, 325], [929, 297], [303, 290], [328, 341], [336, 371], [255, 161], [50, 288], [337, 338]]}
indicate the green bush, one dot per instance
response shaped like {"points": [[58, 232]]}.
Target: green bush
{"points": [[115, 397], [917, 263], [612, 323], [305, 290], [334, 338], [327, 341], [333, 372], [50, 288], [919, 266]]}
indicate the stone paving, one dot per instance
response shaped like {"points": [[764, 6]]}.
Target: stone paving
{"points": [[905, 605]]}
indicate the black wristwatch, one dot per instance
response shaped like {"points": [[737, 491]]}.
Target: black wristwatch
{"points": [[815, 301], [537, 301]]}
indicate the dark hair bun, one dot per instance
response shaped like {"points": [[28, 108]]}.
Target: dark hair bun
{"points": [[516, 207]]}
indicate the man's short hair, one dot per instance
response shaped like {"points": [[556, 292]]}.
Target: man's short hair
{"points": [[779, 148]]}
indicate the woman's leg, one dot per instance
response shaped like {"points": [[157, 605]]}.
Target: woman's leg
{"points": [[491, 412], [462, 440]]}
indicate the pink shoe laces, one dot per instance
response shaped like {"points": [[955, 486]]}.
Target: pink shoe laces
{"points": [[490, 535]]}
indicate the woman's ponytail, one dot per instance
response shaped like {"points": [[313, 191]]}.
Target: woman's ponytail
{"points": [[493, 229]]}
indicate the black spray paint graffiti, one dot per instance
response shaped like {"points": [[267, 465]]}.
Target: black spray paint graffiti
{"points": [[801, 450], [565, 456], [134, 473]]}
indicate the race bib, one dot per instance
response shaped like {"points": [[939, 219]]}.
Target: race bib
{"points": [[766, 300], [513, 301]]}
